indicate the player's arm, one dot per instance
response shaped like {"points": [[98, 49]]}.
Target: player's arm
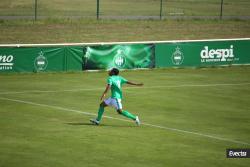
{"points": [[105, 91], [135, 84]]}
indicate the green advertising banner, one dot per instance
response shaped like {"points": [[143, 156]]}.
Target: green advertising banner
{"points": [[119, 56], [202, 53], [73, 56], [28, 58], [38, 59]]}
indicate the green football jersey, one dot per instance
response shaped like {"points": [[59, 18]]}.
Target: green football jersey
{"points": [[116, 83]]}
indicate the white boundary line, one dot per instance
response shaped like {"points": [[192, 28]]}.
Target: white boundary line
{"points": [[114, 43], [147, 124], [50, 91], [144, 87]]}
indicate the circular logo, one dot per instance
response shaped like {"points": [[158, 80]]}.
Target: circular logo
{"points": [[177, 57], [41, 62], [119, 60]]}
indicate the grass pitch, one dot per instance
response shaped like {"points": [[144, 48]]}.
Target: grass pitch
{"points": [[68, 31], [196, 114]]}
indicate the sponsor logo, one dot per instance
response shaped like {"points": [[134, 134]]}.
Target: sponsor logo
{"points": [[238, 153], [119, 59], [177, 56], [6, 62], [41, 62], [218, 55]]}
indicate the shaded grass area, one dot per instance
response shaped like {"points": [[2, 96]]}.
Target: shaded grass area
{"points": [[66, 30], [34, 135]]}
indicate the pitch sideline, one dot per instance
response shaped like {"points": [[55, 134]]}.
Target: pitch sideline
{"points": [[144, 87], [147, 124]]}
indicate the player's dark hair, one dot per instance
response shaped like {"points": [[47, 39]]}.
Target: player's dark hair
{"points": [[115, 71]]}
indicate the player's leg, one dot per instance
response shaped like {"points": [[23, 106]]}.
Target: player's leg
{"points": [[126, 113], [129, 115], [101, 111]]}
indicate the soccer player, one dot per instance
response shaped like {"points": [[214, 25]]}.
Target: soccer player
{"points": [[115, 82]]}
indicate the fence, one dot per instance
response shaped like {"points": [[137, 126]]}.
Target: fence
{"points": [[124, 9], [77, 57]]}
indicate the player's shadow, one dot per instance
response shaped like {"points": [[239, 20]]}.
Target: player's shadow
{"points": [[79, 123], [90, 124]]}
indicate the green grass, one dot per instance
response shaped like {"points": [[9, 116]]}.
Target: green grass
{"points": [[61, 30], [33, 135], [57, 8]]}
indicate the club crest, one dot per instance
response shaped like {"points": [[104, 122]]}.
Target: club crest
{"points": [[177, 56], [41, 62]]}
